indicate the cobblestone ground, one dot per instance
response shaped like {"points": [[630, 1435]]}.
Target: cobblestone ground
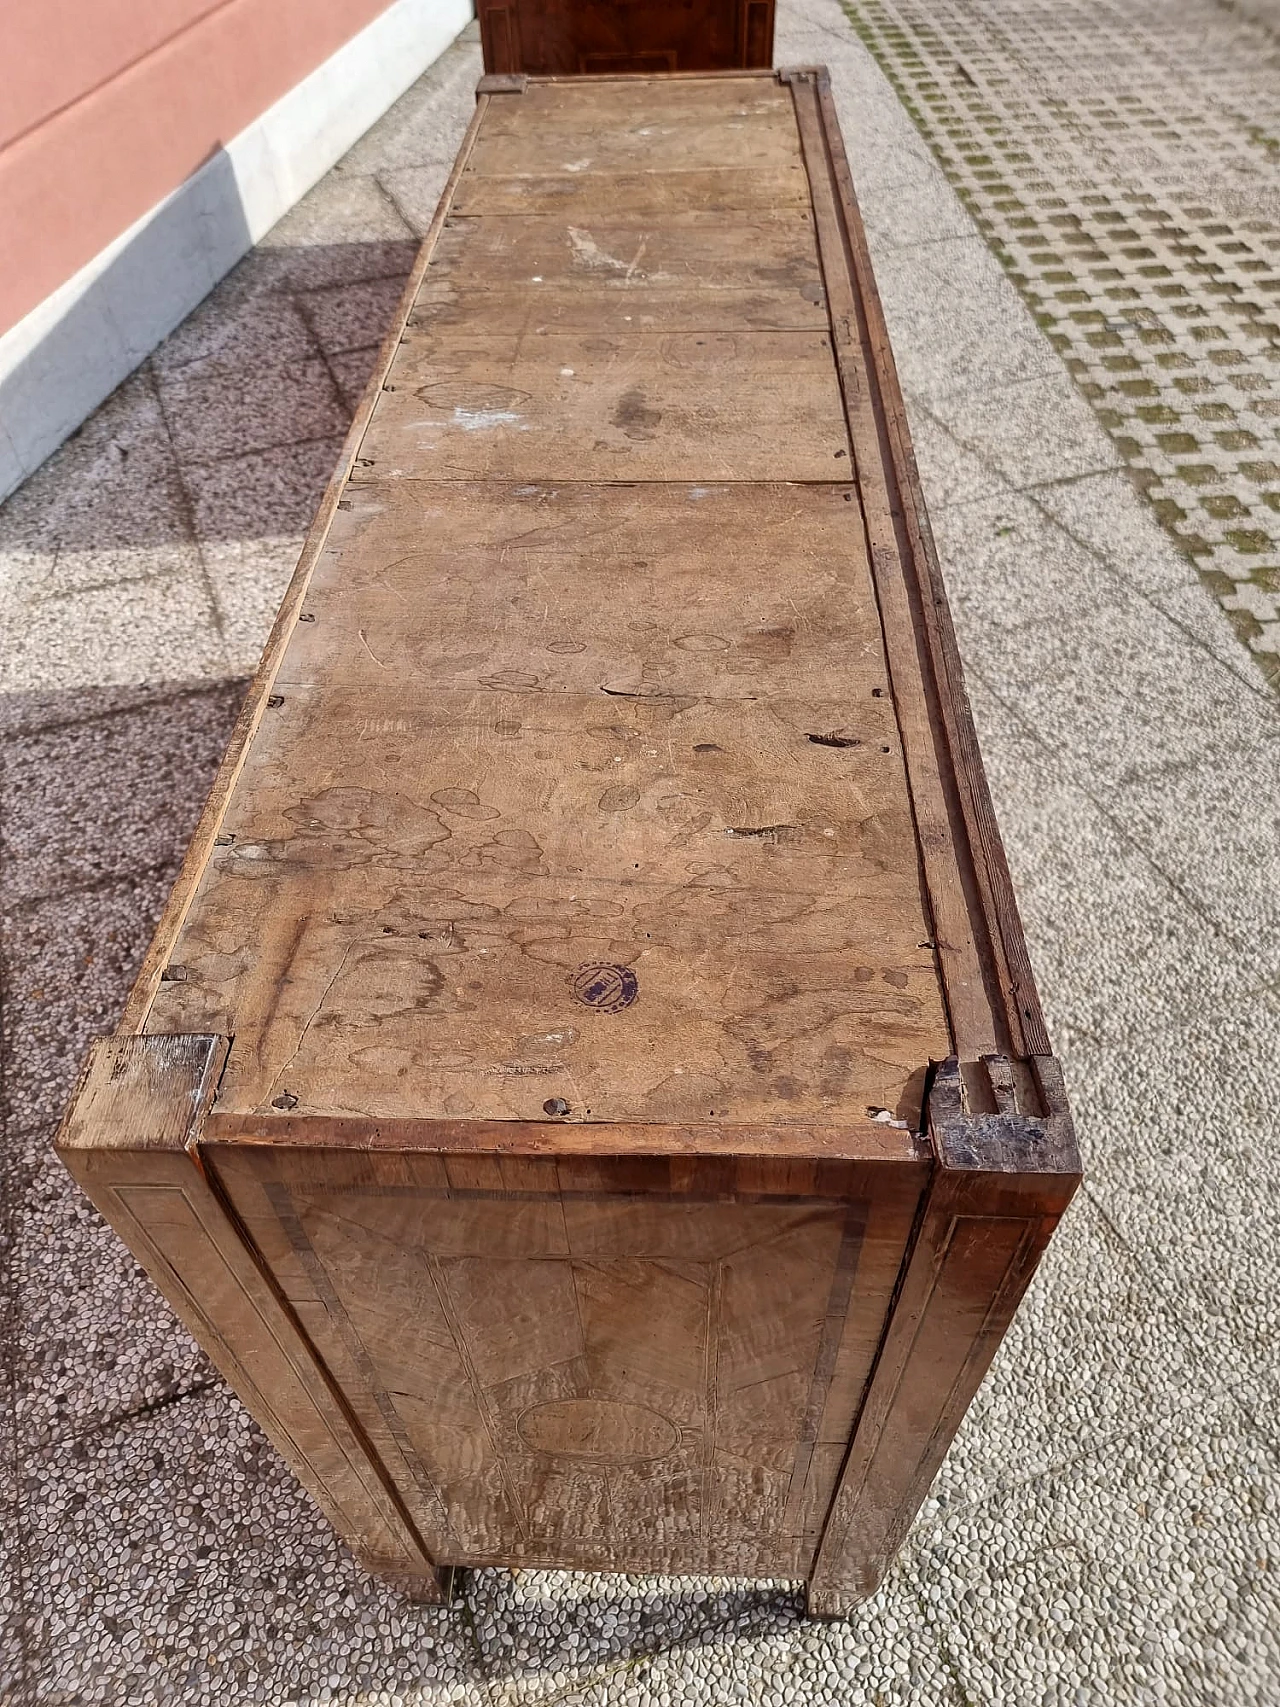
{"points": [[1122, 157]]}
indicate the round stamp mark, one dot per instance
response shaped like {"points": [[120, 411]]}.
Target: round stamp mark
{"points": [[606, 988]]}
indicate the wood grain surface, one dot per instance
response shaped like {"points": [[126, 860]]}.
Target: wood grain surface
{"points": [[127, 1140], [552, 1353], [587, 1089], [617, 272], [605, 37], [726, 592], [592, 675], [460, 404]]}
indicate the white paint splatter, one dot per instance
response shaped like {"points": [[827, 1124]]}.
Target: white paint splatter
{"points": [[482, 420], [589, 252]]}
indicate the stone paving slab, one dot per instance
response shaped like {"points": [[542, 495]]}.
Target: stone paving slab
{"points": [[1104, 1530], [1122, 157]]}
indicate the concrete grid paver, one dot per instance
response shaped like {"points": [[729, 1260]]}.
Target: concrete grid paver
{"points": [[1105, 1528], [1123, 158]]}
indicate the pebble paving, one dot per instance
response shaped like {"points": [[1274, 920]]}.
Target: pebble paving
{"points": [[1122, 157]]}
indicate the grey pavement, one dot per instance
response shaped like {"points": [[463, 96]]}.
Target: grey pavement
{"points": [[1107, 1526], [1123, 159]]}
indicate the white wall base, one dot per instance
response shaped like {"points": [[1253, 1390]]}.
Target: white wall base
{"points": [[71, 352]]}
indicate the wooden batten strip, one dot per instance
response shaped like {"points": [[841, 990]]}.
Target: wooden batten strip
{"points": [[988, 982], [1025, 1017], [868, 1141]]}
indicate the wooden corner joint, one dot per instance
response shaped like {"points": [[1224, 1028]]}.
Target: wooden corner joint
{"points": [[818, 75], [502, 83], [806, 74], [997, 1115], [143, 1092]]}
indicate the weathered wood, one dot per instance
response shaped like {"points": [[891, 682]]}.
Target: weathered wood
{"points": [[661, 1352], [512, 607], [129, 1140], [621, 406], [757, 273], [633, 126], [612, 37], [532, 1095], [206, 832], [992, 989], [1007, 1168]]}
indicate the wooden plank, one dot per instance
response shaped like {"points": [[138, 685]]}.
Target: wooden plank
{"points": [[584, 196], [425, 982], [618, 272], [662, 127], [613, 789], [666, 126], [693, 407], [732, 592]]}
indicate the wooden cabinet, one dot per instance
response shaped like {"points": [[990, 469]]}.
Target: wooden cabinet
{"points": [[607, 37], [587, 1092]]}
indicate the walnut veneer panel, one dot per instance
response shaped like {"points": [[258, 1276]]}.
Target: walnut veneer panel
{"points": [[556, 1354]]}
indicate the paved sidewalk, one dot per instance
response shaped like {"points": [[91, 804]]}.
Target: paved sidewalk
{"points": [[1123, 159], [1107, 1527]]}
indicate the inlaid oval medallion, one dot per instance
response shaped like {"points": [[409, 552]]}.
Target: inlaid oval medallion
{"points": [[597, 1428]]}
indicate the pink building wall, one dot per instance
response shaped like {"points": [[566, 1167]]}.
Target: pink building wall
{"points": [[106, 106]]}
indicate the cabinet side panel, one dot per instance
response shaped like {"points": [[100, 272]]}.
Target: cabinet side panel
{"points": [[173, 1224], [652, 1364]]}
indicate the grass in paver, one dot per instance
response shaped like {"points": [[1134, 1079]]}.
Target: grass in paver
{"points": [[1095, 190]]}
